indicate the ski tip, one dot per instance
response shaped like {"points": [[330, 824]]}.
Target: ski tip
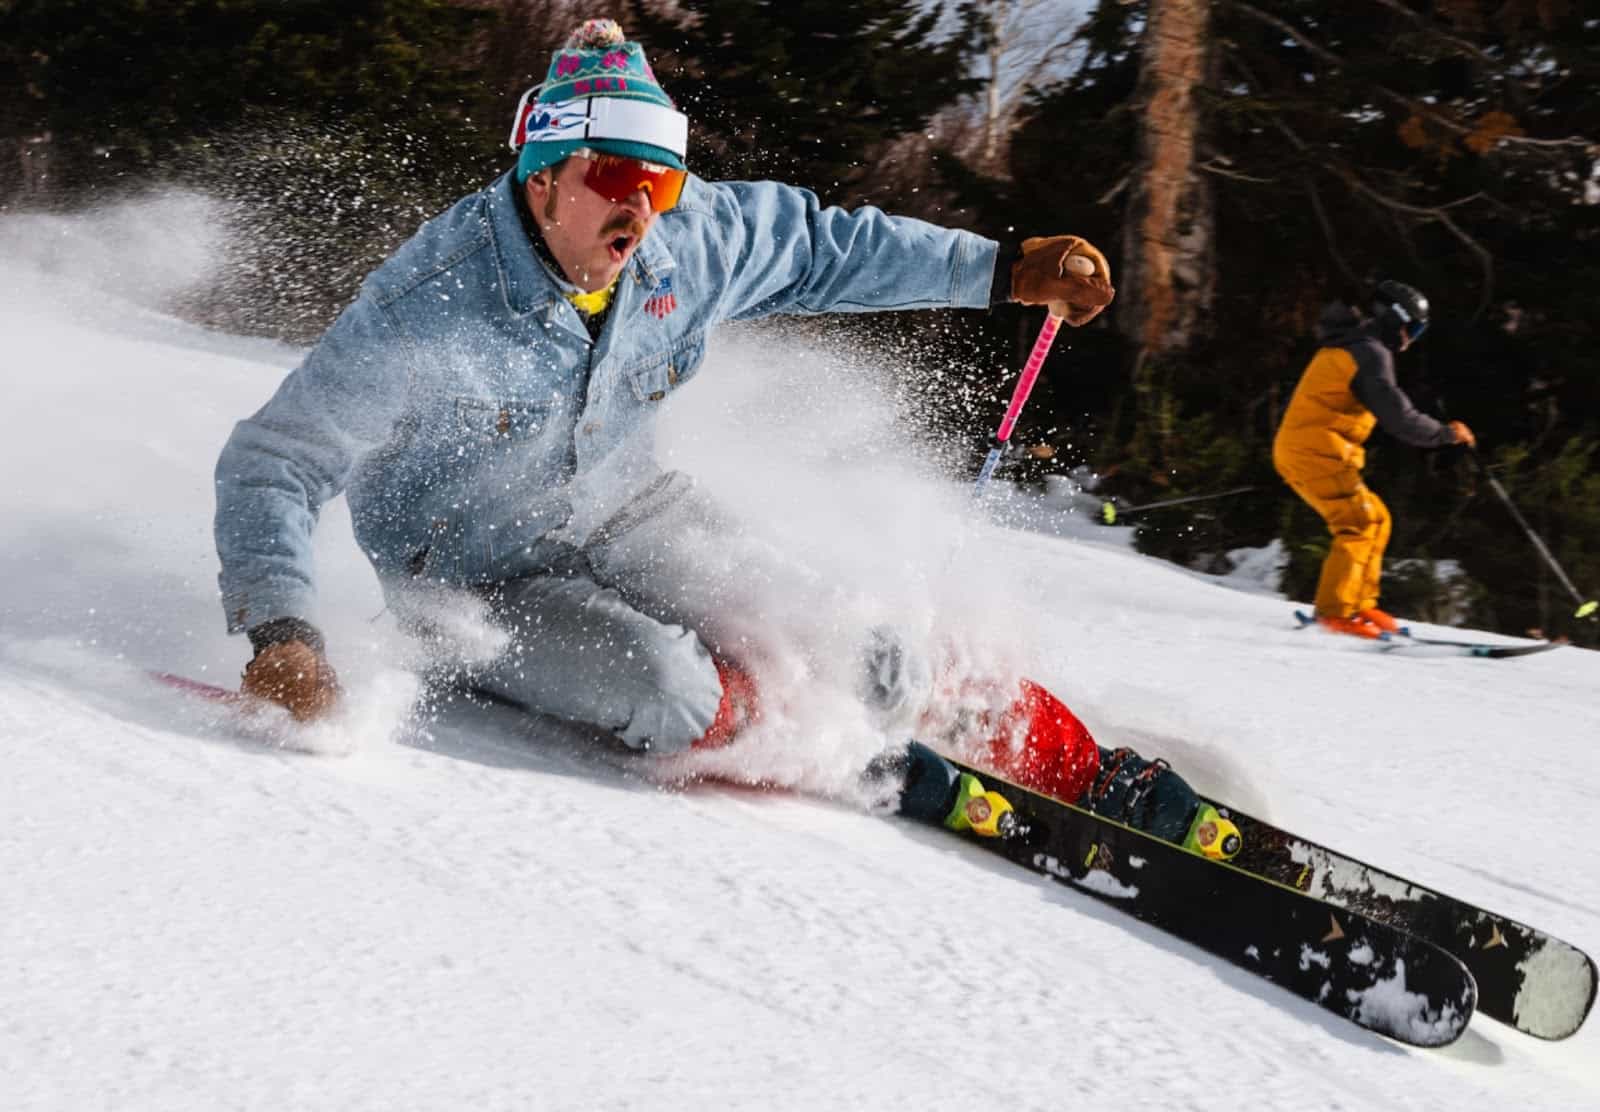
{"points": [[1557, 991], [196, 687], [1403, 1008]]}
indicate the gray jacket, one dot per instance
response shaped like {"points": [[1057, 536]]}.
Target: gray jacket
{"points": [[1374, 383]]}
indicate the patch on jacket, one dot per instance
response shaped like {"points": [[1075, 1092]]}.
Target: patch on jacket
{"points": [[661, 302]]}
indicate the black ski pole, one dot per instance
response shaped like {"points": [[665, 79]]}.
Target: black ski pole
{"points": [[1586, 607], [1109, 511]]}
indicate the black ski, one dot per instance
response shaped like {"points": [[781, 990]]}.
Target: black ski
{"points": [[1355, 966], [1421, 645], [1526, 978], [1409, 644]]}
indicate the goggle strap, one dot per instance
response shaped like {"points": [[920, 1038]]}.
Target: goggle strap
{"points": [[636, 121], [519, 121]]}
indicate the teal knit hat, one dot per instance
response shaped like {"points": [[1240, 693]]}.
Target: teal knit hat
{"points": [[601, 94]]}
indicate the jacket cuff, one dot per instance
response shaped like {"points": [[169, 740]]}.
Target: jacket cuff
{"points": [[278, 631], [973, 281], [277, 596], [1005, 258]]}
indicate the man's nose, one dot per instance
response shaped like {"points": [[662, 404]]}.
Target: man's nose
{"points": [[639, 201]]}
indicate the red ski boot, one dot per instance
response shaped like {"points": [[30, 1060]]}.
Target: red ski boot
{"points": [[1355, 626], [1036, 742], [740, 707], [1382, 619]]}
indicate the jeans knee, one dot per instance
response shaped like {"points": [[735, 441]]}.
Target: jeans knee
{"points": [[677, 692]]}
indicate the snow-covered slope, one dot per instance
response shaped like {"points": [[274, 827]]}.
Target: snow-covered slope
{"points": [[472, 912]]}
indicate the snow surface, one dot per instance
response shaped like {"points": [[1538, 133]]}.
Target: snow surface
{"points": [[473, 912]]}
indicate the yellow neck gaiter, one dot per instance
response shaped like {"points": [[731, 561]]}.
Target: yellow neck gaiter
{"points": [[591, 303]]}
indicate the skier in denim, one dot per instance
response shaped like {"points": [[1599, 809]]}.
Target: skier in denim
{"points": [[488, 401]]}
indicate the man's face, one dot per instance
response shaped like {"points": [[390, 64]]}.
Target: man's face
{"points": [[592, 238]]}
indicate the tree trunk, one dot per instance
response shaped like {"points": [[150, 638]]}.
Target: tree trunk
{"points": [[34, 162], [1166, 283], [991, 111]]}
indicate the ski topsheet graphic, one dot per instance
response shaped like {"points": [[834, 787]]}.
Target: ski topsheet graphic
{"points": [[1526, 978], [1364, 970], [1384, 952]]}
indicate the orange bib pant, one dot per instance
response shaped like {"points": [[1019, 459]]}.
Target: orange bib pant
{"points": [[1359, 522], [1319, 451]]}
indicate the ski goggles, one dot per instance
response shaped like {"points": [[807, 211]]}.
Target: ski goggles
{"points": [[616, 179], [1410, 325]]}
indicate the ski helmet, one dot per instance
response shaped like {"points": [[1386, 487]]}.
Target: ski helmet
{"points": [[1400, 310]]}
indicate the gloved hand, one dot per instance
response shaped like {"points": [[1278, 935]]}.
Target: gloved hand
{"points": [[1463, 434], [1055, 271], [295, 676]]}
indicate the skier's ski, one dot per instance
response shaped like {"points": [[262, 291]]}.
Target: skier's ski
{"points": [[1537, 984], [201, 689], [1422, 645], [1253, 914], [1408, 643], [1364, 970]]}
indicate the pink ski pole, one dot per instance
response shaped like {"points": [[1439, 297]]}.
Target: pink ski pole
{"points": [[1019, 397]]}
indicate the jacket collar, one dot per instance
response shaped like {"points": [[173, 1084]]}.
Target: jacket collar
{"points": [[525, 281], [652, 260]]}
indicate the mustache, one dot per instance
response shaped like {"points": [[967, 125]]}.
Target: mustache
{"points": [[629, 225]]}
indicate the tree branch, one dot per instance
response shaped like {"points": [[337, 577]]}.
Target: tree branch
{"points": [[1120, 184], [1334, 61], [1433, 32], [1316, 49], [1439, 213], [1211, 166], [1327, 230], [1436, 213]]}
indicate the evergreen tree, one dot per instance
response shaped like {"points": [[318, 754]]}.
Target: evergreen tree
{"points": [[805, 91], [121, 86]]}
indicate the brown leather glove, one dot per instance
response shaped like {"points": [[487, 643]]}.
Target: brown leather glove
{"points": [[1463, 434], [293, 675], [1042, 276]]}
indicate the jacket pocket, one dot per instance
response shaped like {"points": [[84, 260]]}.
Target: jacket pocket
{"points": [[653, 379], [490, 421], [437, 554]]}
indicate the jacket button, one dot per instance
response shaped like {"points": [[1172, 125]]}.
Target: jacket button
{"points": [[658, 395], [672, 375]]}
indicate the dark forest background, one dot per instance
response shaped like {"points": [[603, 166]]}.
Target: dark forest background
{"points": [[1240, 163]]}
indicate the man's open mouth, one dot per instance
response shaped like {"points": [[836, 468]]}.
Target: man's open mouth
{"points": [[620, 245]]}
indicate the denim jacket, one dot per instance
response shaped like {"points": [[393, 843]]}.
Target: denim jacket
{"points": [[461, 404]]}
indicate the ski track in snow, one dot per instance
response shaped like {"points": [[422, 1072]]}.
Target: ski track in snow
{"points": [[477, 912]]}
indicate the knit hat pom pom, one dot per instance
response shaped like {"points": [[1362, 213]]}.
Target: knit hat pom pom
{"points": [[596, 34]]}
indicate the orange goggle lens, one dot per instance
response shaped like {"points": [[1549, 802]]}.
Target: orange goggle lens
{"points": [[616, 179]]}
